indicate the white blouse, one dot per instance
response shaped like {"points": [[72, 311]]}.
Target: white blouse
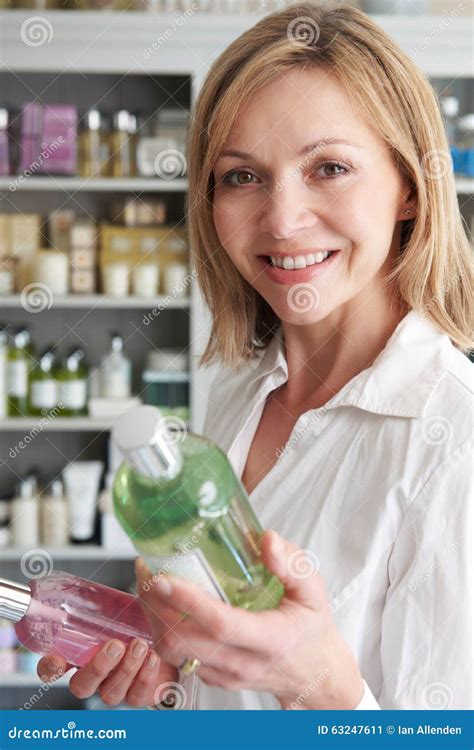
{"points": [[377, 484]]}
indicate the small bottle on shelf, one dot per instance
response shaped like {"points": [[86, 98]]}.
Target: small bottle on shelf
{"points": [[121, 143], [72, 384], [91, 137], [3, 370], [5, 166], [116, 371], [54, 521], [43, 386], [24, 524], [19, 364]]}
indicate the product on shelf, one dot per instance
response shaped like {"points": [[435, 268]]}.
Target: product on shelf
{"points": [[181, 496], [122, 155], [145, 280], [24, 524], [81, 482], [72, 384], [19, 364], [43, 385], [5, 536], [5, 166], [3, 371], [72, 616], [166, 382], [8, 273], [115, 278], [59, 229], [116, 371], [54, 516], [466, 145], [93, 151], [20, 236], [48, 139], [139, 212], [112, 535], [51, 269], [83, 257]]}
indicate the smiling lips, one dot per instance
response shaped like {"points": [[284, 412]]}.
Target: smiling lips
{"points": [[290, 262]]}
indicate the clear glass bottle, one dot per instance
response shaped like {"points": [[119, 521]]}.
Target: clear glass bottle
{"points": [[90, 145], [121, 144], [186, 511], [70, 615], [19, 364], [43, 386], [116, 371], [72, 385]]}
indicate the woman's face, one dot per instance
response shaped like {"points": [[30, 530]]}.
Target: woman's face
{"points": [[276, 204]]}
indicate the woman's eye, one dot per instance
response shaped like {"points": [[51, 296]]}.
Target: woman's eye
{"points": [[237, 174], [332, 166]]}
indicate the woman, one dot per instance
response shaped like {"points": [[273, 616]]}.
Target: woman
{"points": [[345, 394]]}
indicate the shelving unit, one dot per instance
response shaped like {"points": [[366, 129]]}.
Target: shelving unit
{"points": [[88, 53]]}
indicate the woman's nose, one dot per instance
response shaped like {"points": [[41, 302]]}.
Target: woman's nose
{"points": [[284, 212]]}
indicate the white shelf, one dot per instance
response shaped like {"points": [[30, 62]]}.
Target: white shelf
{"points": [[106, 185], [151, 43], [55, 424], [464, 186], [72, 552], [99, 301]]}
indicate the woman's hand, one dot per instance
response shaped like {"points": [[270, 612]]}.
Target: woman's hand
{"points": [[120, 674], [295, 651]]}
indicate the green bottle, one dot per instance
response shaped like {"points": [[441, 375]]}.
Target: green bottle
{"points": [[72, 385], [43, 386], [178, 499], [19, 364]]}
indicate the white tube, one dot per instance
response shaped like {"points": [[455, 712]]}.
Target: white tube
{"points": [[81, 481]]}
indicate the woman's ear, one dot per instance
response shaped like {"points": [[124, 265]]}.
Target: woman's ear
{"points": [[409, 207]]}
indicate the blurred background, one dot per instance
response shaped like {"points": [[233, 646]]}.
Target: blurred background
{"points": [[99, 305]]}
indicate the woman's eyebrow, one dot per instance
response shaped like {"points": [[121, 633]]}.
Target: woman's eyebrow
{"points": [[304, 151]]}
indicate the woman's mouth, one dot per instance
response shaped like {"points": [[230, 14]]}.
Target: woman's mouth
{"points": [[286, 269]]}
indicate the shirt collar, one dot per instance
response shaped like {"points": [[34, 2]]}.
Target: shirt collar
{"points": [[399, 382]]}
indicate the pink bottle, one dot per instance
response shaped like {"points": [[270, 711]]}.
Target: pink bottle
{"points": [[71, 616]]}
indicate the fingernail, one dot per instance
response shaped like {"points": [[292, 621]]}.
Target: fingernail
{"points": [[152, 660], [163, 585], [51, 666], [139, 649], [115, 649]]}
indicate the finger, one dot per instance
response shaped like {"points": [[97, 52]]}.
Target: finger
{"points": [[115, 687], [86, 681], [296, 568], [51, 667], [150, 675]]}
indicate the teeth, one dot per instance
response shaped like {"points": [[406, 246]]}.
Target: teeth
{"points": [[300, 261]]}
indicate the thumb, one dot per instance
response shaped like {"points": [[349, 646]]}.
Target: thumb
{"points": [[296, 568]]}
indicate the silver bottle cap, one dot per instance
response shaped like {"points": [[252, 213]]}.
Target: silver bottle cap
{"points": [[14, 599], [143, 436]]}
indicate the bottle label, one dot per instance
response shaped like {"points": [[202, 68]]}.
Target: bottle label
{"points": [[73, 394], [17, 376], [44, 394], [191, 565]]}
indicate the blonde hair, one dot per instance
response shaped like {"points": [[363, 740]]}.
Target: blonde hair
{"points": [[433, 273]]}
